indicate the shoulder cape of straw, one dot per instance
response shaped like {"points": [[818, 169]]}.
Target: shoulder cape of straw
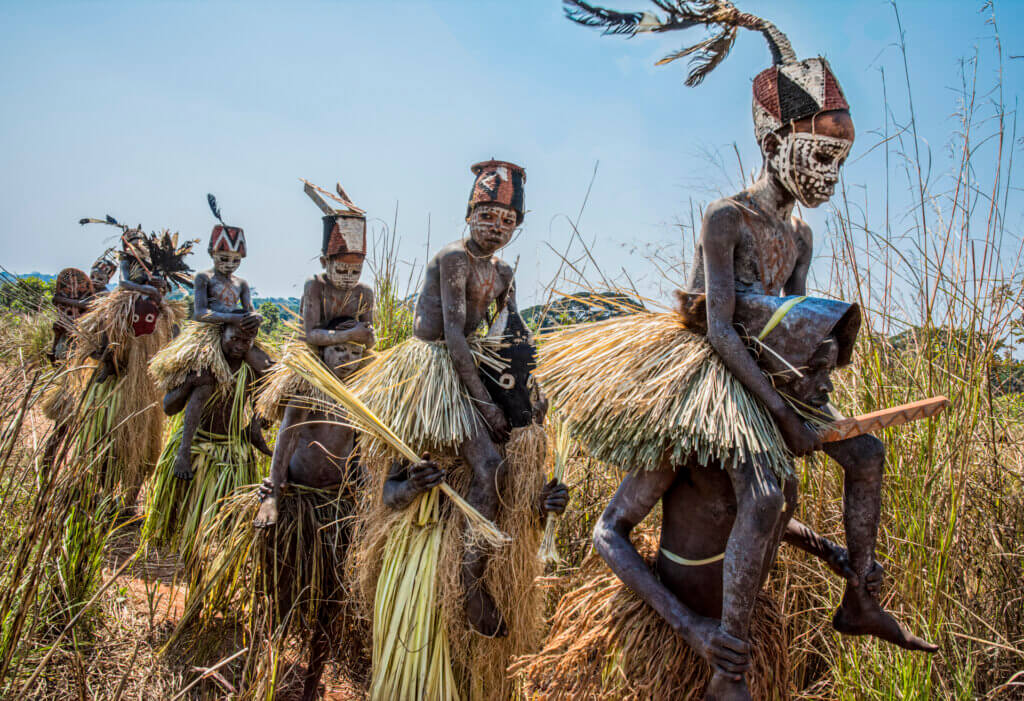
{"points": [[195, 350], [636, 387], [415, 389], [281, 385], [476, 664], [122, 420], [286, 581], [606, 644]]}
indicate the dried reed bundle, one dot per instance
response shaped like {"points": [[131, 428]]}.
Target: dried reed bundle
{"points": [[548, 552], [309, 367], [636, 388], [606, 644]]}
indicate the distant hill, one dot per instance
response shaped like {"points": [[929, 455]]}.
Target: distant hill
{"points": [[583, 307]]}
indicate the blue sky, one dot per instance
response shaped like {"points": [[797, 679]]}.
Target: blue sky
{"points": [[138, 109]]}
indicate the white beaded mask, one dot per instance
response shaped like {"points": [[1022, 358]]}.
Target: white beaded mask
{"points": [[808, 165]]}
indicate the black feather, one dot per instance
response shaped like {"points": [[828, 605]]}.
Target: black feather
{"points": [[84, 221], [613, 22], [167, 259], [214, 208], [112, 221]]}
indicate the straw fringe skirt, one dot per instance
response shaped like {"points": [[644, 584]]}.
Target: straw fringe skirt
{"points": [[179, 512], [123, 421], [477, 664], [195, 350], [606, 644], [636, 388], [415, 389], [281, 386], [287, 579]]}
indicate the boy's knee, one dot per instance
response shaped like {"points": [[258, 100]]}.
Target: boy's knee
{"points": [[766, 507]]}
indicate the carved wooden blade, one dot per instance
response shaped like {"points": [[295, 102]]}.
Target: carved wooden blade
{"points": [[310, 190], [883, 418]]}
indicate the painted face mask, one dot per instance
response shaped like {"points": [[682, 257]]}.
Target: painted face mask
{"points": [[808, 165], [491, 226], [343, 274], [226, 262]]}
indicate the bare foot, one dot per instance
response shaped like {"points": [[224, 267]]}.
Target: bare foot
{"points": [[862, 615], [267, 515], [483, 614], [722, 688], [183, 468]]}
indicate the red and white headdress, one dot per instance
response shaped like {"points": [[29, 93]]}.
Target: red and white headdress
{"points": [[224, 237], [344, 232], [788, 91], [498, 182]]}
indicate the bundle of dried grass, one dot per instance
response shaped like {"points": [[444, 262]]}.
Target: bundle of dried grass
{"points": [[378, 560], [606, 643], [282, 385], [638, 387], [415, 389], [122, 415], [195, 350]]}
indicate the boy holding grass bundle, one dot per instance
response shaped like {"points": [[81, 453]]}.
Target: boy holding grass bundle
{"points": [[750, 244], [475, 606]]}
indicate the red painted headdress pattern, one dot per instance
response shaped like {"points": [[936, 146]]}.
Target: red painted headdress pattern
{"points": [[498, 182], [225, 238], [344, 229]]}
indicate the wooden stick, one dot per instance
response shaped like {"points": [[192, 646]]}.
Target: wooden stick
{"points": [[883, 418]]}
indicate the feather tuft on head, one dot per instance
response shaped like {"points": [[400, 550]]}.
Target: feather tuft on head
{"points": [[706, 55], [212, 201]]}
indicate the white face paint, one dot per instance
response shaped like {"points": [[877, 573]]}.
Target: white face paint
{"points": [[808, 165], [491, 226], [343, 274], [226, 262]]}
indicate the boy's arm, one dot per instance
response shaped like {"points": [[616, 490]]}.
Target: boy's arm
{"points": [[76, 303], [797, 283], [453, 272], [836, 557], [718, 239], [405, 482]]}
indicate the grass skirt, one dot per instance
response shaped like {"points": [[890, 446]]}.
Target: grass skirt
{"points": [[606, 643], [636, 387], [287, 580], [179, 512], [282, 385], [122, 420], [415, 389], [195, 350], [476, 664]]}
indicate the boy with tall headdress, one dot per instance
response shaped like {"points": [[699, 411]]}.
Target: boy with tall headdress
{"points": [[216, 435], [122, 423], [467, 400], [685, 398]]}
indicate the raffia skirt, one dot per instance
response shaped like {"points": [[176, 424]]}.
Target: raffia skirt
{"points": [[606, 643], [636, 388]]}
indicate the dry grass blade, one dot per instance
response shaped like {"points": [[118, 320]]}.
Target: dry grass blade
{"points": [[316, 373]]}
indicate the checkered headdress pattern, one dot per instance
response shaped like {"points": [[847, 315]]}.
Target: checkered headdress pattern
{"points": [[345, 228]]}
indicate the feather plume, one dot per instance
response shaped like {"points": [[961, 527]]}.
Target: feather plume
{"points": [[109, 220], [706, 55], [167, 258], [610, 21], [212, 201]]}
